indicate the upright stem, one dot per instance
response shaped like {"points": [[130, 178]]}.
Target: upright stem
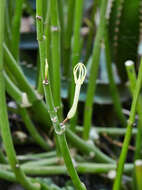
{"points": [[91, 31], [113, 88], [68, 36], [47, 89], [55, 53], [94, 71], [16, 28], [117, 182], [4, 125], [132, 79]]}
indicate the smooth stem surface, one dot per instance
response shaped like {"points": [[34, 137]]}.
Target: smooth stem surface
{"points": [[94, 71], [117, 182], [68, 37], [91, 31], [113, 131], [4, 125], [113, 88], [41, 40], [16, 29], [82, 168], [2, 158], [138, 171], [12, 89], [55, 56], [132, 79]]}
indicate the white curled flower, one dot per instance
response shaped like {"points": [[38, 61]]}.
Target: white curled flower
{"points": [[79, 72]]}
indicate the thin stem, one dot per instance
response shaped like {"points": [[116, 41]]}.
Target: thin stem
{"points": [[87, 148], [43, 162], [55, 56], [117, 182], [132, 79], [2, 158], [113, 88], [91, 31], [16, 28], [68, 36], [14, 92], [90, 168], [138, 169], [109, 131], [94, 71]]}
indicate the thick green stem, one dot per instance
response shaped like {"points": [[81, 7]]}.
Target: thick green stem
{"points": [[94, 71], [117, 182]]}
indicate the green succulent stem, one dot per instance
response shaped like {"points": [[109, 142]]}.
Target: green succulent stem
{"points": [[91, 31], [94, 71], [55, 56], [132, 79], [68, 37], [16, 29], [122, 158], [113, 88]]}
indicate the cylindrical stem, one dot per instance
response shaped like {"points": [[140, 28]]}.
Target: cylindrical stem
{"points": [[94, 71], [117, 182]]}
